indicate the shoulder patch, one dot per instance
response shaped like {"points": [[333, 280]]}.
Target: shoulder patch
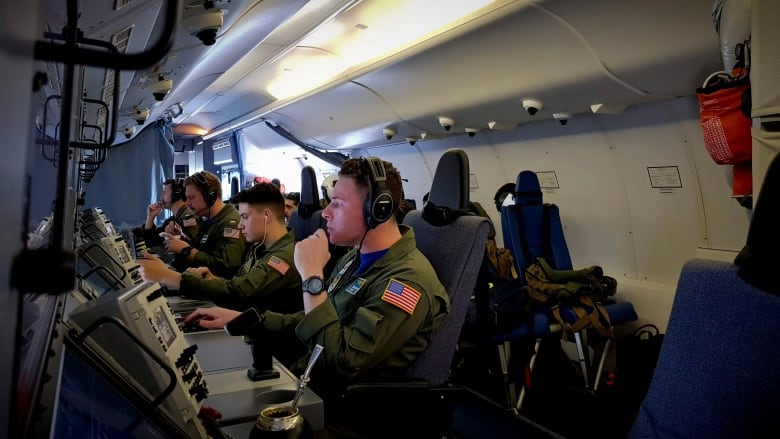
{"points": [[230, 232], [401, 295], [190, 222], [278, 265]]}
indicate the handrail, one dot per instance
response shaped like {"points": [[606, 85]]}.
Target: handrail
{"points": [[48, 51]]}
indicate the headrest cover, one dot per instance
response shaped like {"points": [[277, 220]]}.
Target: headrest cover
{"points": [[502, 193], [450, 186], [758, 258], [527, 190]]}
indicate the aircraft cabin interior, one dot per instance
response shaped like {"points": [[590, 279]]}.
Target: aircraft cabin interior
{"points": [[595, 183]]}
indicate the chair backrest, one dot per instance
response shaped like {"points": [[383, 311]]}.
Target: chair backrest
{"points": [[307, 218], [532, 228], [716, 374], [455, 250]]}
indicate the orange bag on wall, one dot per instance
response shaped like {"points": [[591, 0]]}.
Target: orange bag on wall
{"points": [[724, 123]]}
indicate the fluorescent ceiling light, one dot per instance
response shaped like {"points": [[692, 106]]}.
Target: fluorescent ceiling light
{"points": [[366, 33]]}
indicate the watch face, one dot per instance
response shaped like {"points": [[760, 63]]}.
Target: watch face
{"points": [[313, 285]]}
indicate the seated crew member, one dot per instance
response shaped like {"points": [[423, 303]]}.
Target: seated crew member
{"points": [[173, 198], [266, 280], [219, 244], [376, 312], [291, 201]]}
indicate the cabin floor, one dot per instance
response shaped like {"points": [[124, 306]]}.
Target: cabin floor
{"points": [[556, 405]]}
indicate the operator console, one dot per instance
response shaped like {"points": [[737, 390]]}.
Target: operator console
{"points": [[135, 333]]}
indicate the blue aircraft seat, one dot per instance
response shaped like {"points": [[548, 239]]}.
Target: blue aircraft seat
{"points": [[531, 229], [716, 375]]}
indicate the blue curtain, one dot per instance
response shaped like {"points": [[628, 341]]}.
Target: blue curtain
{"points": [[132, 176], [240, 154]]}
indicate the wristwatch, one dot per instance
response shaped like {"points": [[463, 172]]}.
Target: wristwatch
{"points": [[313, 285], [186, 251]]}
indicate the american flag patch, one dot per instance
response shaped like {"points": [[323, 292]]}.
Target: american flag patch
{"points": [[278, 265], [231, 233], [190, 222], [401, 295]]}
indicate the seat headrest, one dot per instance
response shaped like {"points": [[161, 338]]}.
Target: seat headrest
{"points": [[527, 190], [758, 258], [310, 198], [450, 186], [502, 193]]}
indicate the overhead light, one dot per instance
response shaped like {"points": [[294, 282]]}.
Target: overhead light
{"points": [[160, 87], [388, 132], [446, 122], [340, 46], [607, 108], [563, 118], [140, 115], [359, 36]]}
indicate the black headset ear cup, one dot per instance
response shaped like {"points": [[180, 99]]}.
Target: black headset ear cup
{"points": [[379, 205], [178, 190], [209, 193]]}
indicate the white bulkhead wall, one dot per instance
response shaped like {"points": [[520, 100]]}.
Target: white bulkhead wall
{"points": [[612, 215]]}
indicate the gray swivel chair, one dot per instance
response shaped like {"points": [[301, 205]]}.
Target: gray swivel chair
{"points": [[307, 218], [454, 242]]}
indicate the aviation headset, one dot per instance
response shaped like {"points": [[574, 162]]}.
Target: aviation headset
{"points": [[379, 205], [209, 193], [178, 189]]}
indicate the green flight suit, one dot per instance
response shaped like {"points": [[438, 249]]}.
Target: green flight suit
{"points": [[267, 280], [220, 245], [185, 218], [364, 336]]}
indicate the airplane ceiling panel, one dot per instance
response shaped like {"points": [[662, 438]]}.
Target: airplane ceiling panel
{"points": [[333, 117], [644, 41], [612, 58]]}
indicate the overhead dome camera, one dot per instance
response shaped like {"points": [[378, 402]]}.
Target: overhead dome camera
{"points": [[128, 131], [160, 88], [388, 132], [532, 106], [563, 118], [140, 115], [446, 122], [471, 132], [205, 25]]}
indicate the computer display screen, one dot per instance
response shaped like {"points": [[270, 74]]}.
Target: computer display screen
{"points": [[89, 407]]}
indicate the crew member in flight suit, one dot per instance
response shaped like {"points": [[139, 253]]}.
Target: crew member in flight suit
{"points": [[219, 245], [268, 278], [379, 308], [173, 198]]}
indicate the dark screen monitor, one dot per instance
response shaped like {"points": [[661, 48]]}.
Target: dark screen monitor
{"points": [[87, 406], [33, 345]]}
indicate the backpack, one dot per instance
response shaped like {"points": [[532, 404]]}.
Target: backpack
{"points": [[502, 263], [580, 290]]}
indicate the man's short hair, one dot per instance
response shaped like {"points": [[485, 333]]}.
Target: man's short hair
{"points": [[212, 182], [262, 194], [295, 197], [357, 168]]}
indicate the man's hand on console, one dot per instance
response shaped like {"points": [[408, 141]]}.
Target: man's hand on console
{"points": [[212, 317], [153, 269]]}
